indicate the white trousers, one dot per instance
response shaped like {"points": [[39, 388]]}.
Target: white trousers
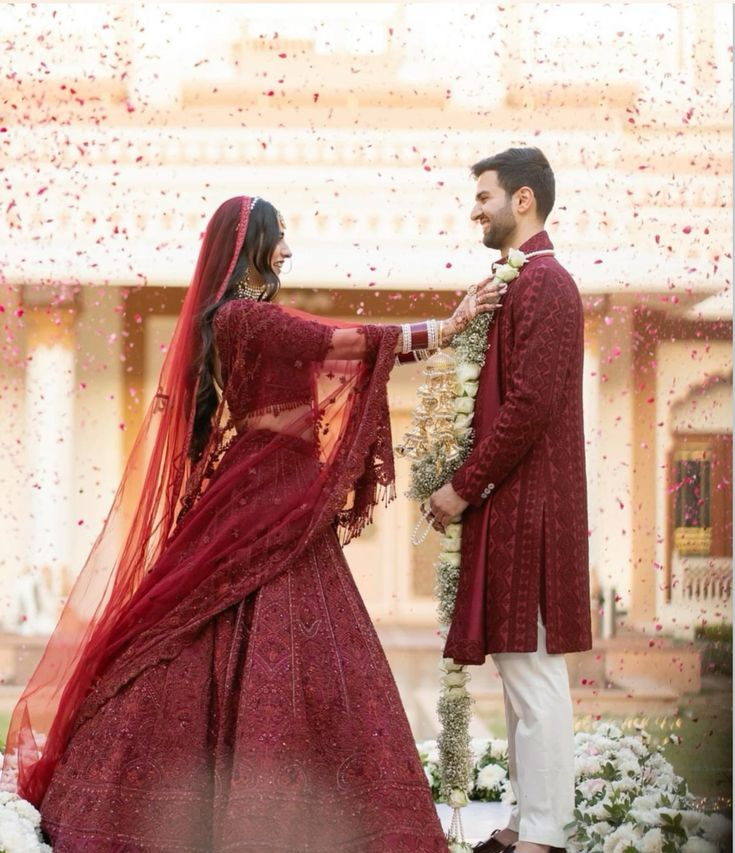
{"points": [[538, 715]]}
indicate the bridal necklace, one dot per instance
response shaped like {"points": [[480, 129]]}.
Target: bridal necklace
{"points": [[245, 289]]}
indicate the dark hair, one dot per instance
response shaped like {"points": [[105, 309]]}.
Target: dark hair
{"points": [[522, 167], [261, 238]]}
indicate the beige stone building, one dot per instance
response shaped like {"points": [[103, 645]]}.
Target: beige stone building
{"points": [[123, 126]]}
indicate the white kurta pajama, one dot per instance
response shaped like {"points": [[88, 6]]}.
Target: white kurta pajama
{"points": [[538, 712]]}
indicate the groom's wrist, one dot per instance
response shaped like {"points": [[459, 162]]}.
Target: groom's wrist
{"points": [[464, 490]]}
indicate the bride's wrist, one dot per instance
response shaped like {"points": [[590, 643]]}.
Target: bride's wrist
{"points": [[447, 331]]}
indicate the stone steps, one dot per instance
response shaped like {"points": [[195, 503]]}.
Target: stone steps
{"points": [[478, 819], [629, 674]]}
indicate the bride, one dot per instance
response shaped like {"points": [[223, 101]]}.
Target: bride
{"points": [[214, 683]]}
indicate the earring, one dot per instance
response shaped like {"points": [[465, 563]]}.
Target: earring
{"points": [[245, 290]]}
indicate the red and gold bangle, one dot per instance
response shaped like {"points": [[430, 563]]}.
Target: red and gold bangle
{"points": [[412, 357], [419, 336]]}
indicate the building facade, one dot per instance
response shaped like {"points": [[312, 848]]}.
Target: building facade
{"points": [[124, 126]]}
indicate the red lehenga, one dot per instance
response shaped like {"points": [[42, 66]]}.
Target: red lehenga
{"points": [[229, 694]]}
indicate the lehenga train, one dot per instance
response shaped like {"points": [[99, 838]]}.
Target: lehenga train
{"points": [[276, 727]]}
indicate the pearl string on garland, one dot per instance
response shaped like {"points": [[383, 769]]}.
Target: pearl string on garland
{"points": [[440, 439]]}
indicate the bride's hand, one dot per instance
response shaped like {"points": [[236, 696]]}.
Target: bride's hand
{"points": [[481, 298]]}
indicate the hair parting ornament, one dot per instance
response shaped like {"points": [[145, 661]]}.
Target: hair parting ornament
{"points": [[244, 289]]}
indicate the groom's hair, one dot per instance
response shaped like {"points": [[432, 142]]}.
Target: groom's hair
{"points": [[522, 167]]}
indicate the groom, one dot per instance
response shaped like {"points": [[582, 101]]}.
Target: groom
{"points": [[523, 592]]}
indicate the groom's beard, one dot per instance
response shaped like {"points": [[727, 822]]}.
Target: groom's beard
{"points": [[503, 226]]}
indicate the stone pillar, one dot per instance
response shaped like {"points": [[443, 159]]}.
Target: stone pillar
{"points": [[646, 574], [615, 451], [48, 439], [13, 512], [592, 434]]}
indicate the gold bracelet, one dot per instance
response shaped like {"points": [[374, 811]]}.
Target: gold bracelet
{"points": [[445, 339]]}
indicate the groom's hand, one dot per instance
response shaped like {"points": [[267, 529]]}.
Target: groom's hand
{"points": [[446, 505]]}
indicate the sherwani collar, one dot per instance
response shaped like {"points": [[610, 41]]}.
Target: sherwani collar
{"points": [[537, 243]]}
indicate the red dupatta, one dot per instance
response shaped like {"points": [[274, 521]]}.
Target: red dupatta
{"points": [[148, 584]]}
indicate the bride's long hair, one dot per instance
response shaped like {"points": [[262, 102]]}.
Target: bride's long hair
{"points": [[261, 238]]}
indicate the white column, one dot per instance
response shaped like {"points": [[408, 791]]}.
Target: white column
{"points": [[592, 435], [614, 521], [48, 440]]}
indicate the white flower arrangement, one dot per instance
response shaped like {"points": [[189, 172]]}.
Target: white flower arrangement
{"points": [[20, 826], [628, 798], [490, 782], [20, 822]]}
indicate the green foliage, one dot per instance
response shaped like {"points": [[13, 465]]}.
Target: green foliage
{"points": [[716, 644], [673, 826], [4, 723], [720, 633]]}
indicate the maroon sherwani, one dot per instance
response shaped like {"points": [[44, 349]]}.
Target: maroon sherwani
{"points": [[525, 532]]}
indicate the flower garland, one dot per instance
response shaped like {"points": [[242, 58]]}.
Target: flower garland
{"points": [[435, 460]]}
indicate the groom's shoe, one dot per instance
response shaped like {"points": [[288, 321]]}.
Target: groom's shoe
{"points": [[492, 845], [511, 847]]}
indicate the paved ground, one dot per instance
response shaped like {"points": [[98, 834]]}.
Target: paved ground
{"points": [[478, 819]]}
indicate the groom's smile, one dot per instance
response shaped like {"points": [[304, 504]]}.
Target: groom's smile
{"points": [[493, 211]]}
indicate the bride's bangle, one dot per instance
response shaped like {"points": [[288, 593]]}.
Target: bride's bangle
{"points": [[419, 336], [430, 335], [414, 336]]}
